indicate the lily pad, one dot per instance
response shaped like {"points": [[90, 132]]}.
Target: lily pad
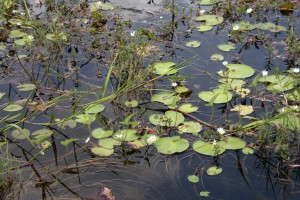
{"points": [[239, 71], [188, 108], [41, 135], [243, 109], [226, 47], [204, 28], [182, 90], [136, 144], [217, 57], [169, 119], [208, 149], [20, 134], [131, 103], [164, 68], [190, 127], [194, 43], [167, 98], [204, 193], [26, 87], [109, 143], [247, 150], [278, 83], [100, 133], [214, 170], [208, 2], [13, 108], [68, 141], [232, 143], [270, 27], [85, 118], [170, 145], [102, 6], [210, 20], [99, 151], [94, 108], [17, 34], [126, 135], [193, 178], [219, 95], [244, 26]]}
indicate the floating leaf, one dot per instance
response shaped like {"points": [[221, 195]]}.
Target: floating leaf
{"points": [[167, 98], [100, 5], [126, 135], [244, 26], [204, 28], [226, 47], [41, 135], [247, 150], [17, 34], [99, 151], [170, 145], [68, 141], [214, 170], [15, 21], [93, 109], [169, 119], [243, 92], [109, 143], [278, 83], [208, 149], [270, 27], [85, 118], [232, 143], [100, 133], [239, 71], [210, 20], [13, 108], [136, 144], [131, 103], [219, 95], [217, 57], [182, 90], [149, 139], [204, 193], [20, 134], [194, 43], [193, 178], [70, 123], [26, 87], [208, 2], [164, 68], [190, 127], [188, 108], [243, 109]]}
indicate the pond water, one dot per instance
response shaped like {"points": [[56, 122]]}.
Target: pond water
{"points": [[72, 74]]}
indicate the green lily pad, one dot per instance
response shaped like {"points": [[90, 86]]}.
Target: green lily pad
{"points": [[208, 149], [126, 135], [232, 143], [136, 144], [204, 28], [170, 145], [169, 119], [270, 27], [24, 41], [193, 178], [99, 151], [243, 109], [219, 95], [190, 127], [164, 68], [85, 118], [208, 2], [17, 34], [15, 21], [41, 135], [109, 143], [100, 133], [20, 134], [182, 90], [210, 20], [204, 193], [187, 108], [226, 47], [167, 98], [239, 71], [217, 57], [68, 141], [131, 103], [194, 43], [214, 170], [149, 139], [278, 83], [247, 150], [102, 6], [45, 145], [244, 26], [26, 87], [13, 108], [94, 108]]}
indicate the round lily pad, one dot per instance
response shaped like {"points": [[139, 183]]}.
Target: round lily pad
{"points": [[136, 144], [188, 108], [204, 28], [190, 127], [167, 98], [247, 150], [20, 134], [131, 103], [13, 108], [208, 149], [193, 178], [169, 119], [194, 43], [126, 135], [244, 26], [99, 151], [217, 57], [100, 133], [210, 20], [170, 145], [214, 170], [239, 71], [270, 27], [208, 2], [232, 143], [243, 109], [219, 95], [164, 68], [278, 83], [204, 193], [109, 143], [226, 47], [17, 34], [93, 109]]}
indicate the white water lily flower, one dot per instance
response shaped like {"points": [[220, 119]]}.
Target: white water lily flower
{"points": [[174, 84], [296, 70], [214, 142], [22, 13], [132, 34], [224, 63], [221, 130], [282, 109], [295, 106], [18, 24], [87, 139], [235, 28], [161, 17], [249, 10], [202, 12], [220, 72], [14, 11], [151, 139], [30, 37], [99, 3], [264, 73]]}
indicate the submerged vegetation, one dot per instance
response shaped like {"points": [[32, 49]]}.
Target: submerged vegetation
{"points": [[74, 75]]}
